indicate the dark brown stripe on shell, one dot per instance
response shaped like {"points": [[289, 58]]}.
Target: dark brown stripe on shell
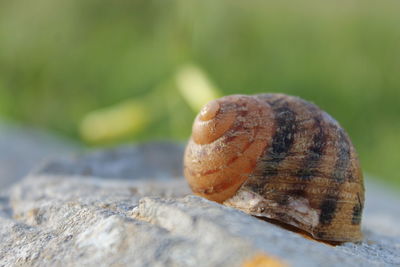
{"points": [[315, 152], [329, 204], [328, 210], [297, 192], [279, 148], [357, 212], [272, 101], [282, 141], [343, 158]]}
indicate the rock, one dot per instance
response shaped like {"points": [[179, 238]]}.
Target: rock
{"points": [[130, 207], [22, 148], [153, 160]]}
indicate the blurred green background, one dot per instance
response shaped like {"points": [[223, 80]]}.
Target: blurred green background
{"points": [[107, 72]]}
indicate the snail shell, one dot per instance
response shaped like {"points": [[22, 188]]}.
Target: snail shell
{"points": [[278, 157]]}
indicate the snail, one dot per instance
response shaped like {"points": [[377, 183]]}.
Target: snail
{"points": [[278, 157]]}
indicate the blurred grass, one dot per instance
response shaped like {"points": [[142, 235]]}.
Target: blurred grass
{"points": [[62, 60]]}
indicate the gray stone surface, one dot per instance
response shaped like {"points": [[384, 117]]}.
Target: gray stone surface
{"points": [[155, 160], [113, 208], [22, 148]]}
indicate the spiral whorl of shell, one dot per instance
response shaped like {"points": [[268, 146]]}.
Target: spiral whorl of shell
{"points": [[280, 157]]}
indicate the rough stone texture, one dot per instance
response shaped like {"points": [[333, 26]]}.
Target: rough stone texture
{"points": [[130, 207], [22, 148]]}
